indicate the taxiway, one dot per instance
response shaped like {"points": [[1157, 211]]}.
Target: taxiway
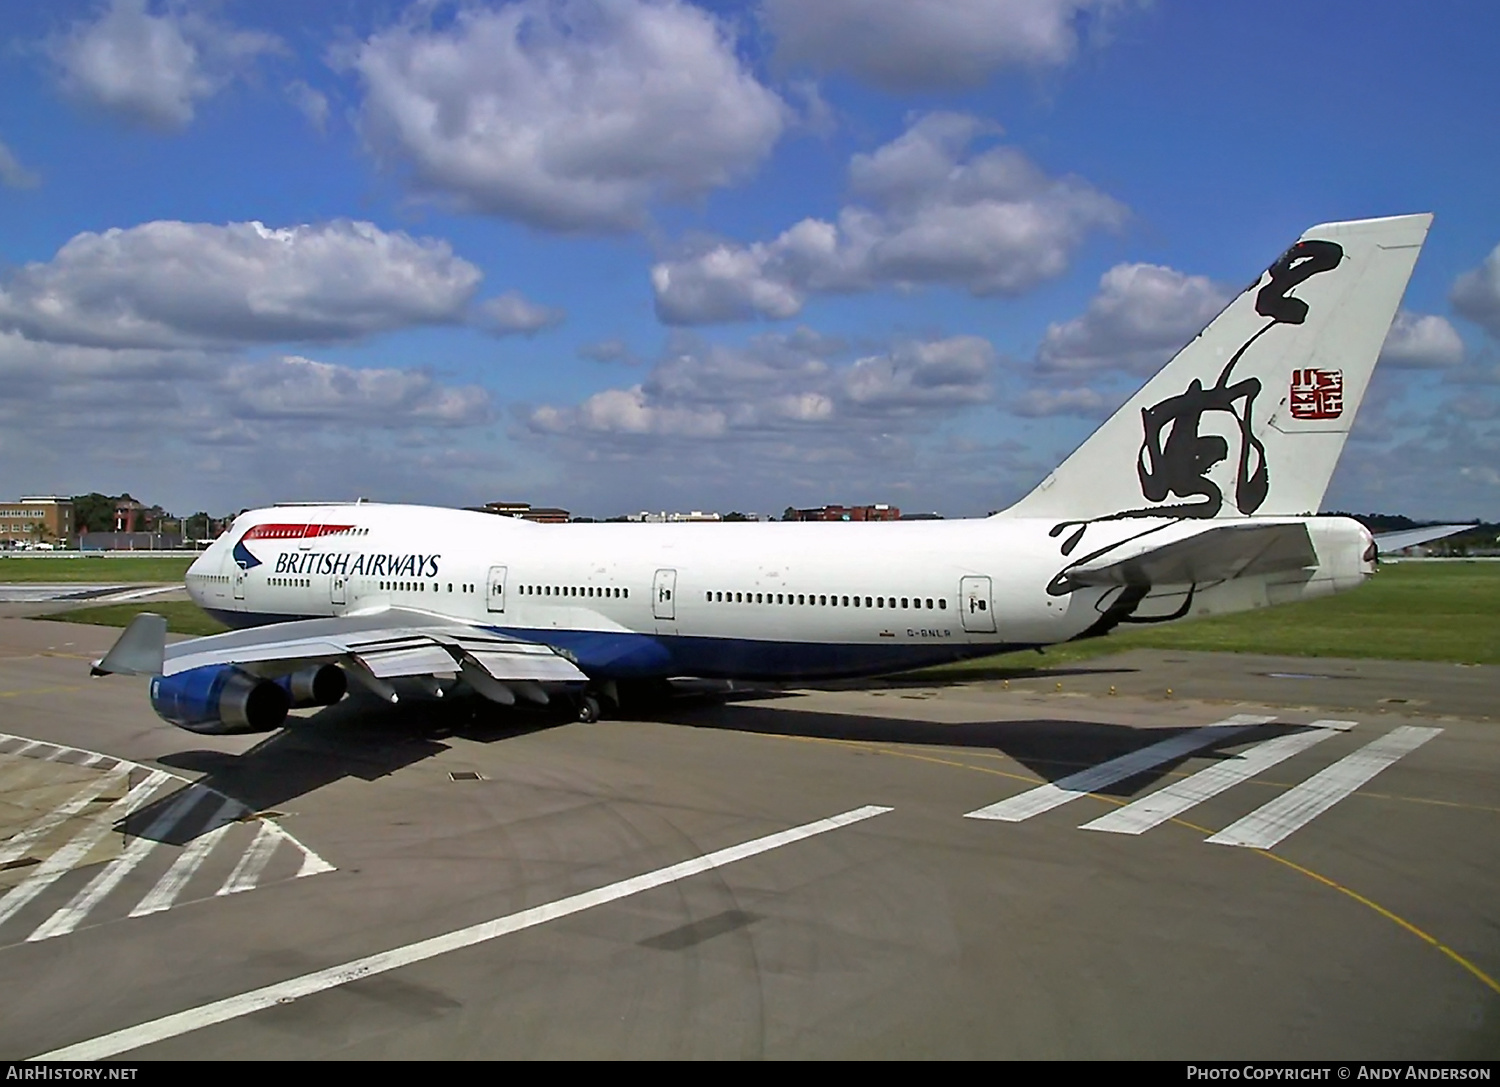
{"points": [[996, 869]]}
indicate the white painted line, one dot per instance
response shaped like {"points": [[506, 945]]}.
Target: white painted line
{"points": [[139, 593], [1046, 797], [219, 1011], [59, 815], [164, 894], [1297, 807], [312, 864], [252, 862], [1164, 804], [27, 748], [57, 753], [69, 917], [64, 859]]}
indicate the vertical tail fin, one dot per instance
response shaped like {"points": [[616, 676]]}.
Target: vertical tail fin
{"points": [[1251, 416]]}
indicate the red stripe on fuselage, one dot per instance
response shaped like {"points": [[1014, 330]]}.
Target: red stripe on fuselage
{"points": [[293, 532]]}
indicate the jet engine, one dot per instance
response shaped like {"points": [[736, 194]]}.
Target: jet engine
{"points": [[220, 699], [319, 685]]}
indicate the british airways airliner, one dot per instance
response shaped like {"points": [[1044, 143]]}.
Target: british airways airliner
{"points": [[1195, 498]]}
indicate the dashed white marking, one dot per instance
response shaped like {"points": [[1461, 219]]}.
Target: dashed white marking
{"points": [[66, 858], [164, 894], [1046, 797], [252, 862], [1296, 807], [167, 890], [21, 843], [1164, 804], [219, 1011], [67, 918]]}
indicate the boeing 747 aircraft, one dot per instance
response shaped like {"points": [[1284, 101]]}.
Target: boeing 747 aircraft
{"points": [[1195, 498]]}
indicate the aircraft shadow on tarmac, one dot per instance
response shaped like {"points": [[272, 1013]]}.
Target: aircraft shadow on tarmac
{"points": [[1051, 748], [366, 739], [357, 738]]}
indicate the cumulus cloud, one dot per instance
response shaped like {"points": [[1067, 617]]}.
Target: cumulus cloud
{"points": [[293, 387], [311, 103], [177, 387], [991, 222], [511, 314], [1137, 320], [572, 115], [613, 349], [908, 45], [1038, 402], [779, 384], [172, 284], [915, 375], [13, 174], [1422, 342], [210, 427], [1476, 294], [154, 69]]}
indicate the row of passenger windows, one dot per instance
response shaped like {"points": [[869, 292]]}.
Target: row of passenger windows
{"points": [[410, 587], [289, 582], [828, 601], [575, 590]]}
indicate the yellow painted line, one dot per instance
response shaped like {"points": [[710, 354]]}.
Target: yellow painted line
{"points": [[1389, 915], [39, 690]]}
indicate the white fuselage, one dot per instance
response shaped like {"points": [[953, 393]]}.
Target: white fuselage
{"points": [[752, 600]]}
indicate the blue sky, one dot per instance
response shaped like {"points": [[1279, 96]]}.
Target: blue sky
{"points": [[628, 254]]}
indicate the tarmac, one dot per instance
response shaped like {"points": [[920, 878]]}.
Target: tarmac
{"points": [[1154, 855]]}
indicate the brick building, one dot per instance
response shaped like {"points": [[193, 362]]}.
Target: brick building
{"points": [[36, 520], [880, 511]]}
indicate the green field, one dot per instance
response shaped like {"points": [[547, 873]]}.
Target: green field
{"points": [[102, 568], [1438, 611], [183, 616]]}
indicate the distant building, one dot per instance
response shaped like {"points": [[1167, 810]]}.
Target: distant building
{"points": [[881, 511], [35, 521], [547, 515], [664, 517], [127, 511]]}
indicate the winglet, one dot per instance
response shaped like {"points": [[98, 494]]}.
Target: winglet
{"points": [[140, 651]]}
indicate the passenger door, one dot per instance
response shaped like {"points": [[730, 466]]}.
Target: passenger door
{"points": [[975, 605], [663, 589], [494, 593]]}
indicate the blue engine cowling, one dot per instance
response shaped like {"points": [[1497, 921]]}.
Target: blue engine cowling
{"points": [[219, 699]]}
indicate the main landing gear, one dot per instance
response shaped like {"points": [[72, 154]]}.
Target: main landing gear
{"points": [[588, 709]]}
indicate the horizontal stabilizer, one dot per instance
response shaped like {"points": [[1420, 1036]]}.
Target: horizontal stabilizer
{"points": [[1238, 549], [137, 652], [1390, 542]]}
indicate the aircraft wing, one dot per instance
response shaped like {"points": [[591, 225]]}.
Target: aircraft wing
{"points": [[383, 645], [1237, 549], [1389, 542]]}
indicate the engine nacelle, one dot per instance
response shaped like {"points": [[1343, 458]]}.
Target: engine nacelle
{"points": [[320, 685], [219, 699]]}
